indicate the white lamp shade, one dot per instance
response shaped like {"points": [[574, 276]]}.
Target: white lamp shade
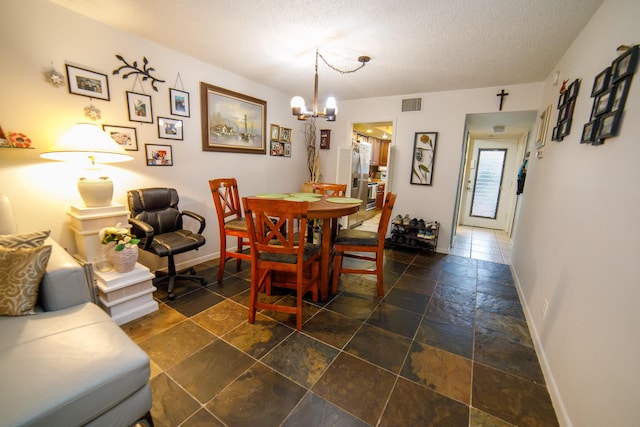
{"points": [[87, 141]]}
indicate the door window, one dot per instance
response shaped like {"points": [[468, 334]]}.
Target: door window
{"points": [[488, 181]]}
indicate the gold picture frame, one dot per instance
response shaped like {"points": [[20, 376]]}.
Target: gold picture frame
{"points": [[231, 121]]}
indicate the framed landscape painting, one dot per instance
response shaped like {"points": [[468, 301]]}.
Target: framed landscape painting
{"points": [[231, 121]]}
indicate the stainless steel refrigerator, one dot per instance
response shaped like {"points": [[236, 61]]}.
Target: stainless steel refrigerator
{"points": [[360, 159]]}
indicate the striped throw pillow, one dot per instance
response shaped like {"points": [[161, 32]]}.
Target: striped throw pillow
{"points": [[25, 240]]}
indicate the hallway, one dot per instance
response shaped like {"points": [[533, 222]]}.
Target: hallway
{"points": [[482, 244], [470, 242]]}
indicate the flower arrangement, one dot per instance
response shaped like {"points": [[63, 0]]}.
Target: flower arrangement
{"points": [[119, 234]]}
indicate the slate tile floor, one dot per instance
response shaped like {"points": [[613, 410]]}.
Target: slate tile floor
{"points": [[448, 345]]}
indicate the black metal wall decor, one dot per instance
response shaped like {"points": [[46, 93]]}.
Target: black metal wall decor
{"points": [[566, 104], [132, 69], [609, 93]]}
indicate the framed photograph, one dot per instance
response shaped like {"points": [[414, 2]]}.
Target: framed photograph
{"points": [[158, 155], [179, 101], [277, 148], [564, 128], [609, 124], [572, 90], [424, 153], [601, 82], [87, 83], [169, 128], [554, 134], [625, 64], [231, 121], [563, 113], [275, 132], [562, 98], [287, 149], [620, 92], [125, 136], [139, 107], [325, 139], [601, 104], [285, 134], [589, 132], [543, 126]]}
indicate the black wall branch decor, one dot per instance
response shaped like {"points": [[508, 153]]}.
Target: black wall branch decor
{"points": [[132, 69]]}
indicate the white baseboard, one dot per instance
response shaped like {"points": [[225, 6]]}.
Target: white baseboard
{"points": [[554, 392]]}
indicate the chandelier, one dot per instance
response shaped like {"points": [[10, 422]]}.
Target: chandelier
{"points": [[330, 111]]}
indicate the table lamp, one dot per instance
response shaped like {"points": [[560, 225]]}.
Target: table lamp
{"points": [[87, 142]]}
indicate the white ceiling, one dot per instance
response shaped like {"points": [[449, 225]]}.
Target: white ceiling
{"points": [[416, 45]]}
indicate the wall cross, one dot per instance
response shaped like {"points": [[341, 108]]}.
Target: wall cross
{"points": [[502, 94]]}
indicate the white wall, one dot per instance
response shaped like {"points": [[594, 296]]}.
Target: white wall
{"points": [[578, 242], [442, 112], [36, 34]]}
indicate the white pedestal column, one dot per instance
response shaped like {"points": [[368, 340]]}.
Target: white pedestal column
{"points": [[86, 223], [126, 296]]}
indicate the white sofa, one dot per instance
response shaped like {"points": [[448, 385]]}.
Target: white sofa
{"points": [[69, 364]]}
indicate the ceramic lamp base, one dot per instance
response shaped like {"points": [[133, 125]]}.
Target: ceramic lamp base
{"points": [[96, 192]]}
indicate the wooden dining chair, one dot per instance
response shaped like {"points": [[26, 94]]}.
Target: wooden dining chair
{"points": [[231, 221], [332, 190], [351, 243], [335, 190], [279, 254]]}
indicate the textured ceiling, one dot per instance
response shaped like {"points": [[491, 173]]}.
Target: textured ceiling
{"points": [[415, 45]]}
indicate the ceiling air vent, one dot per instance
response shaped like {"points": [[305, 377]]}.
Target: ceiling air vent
{"points": [[412, 104]]}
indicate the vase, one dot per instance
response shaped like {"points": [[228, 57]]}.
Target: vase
{"points": [[125, 260], [102, 262]]}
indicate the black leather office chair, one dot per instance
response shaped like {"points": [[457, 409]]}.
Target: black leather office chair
{"points": [[157, 222]]}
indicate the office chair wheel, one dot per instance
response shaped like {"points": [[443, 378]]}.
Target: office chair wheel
{"points": [[172, 296]]}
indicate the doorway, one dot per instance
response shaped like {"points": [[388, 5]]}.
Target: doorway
{"points": [[489, 177], [494, 147]]}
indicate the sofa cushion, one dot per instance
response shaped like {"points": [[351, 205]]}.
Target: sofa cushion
{"points": [[25, 240], [21, 271], [66, 367]]}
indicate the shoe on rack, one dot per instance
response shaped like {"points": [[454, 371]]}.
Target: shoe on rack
{"points": [[406, 220], [413, 223], [421, 223], [397, 220]]}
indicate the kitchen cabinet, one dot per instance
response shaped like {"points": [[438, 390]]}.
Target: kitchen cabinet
{"points": [[375, 151], [384, 153]]}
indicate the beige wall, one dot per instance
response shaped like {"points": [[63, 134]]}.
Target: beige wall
{"points": [[577, 241], [36, 34]]}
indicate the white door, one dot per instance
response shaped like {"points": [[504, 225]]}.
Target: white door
{"points": [[489, 183]]}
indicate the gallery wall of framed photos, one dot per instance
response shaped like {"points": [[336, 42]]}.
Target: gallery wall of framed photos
{"points": [[280, 144], [94, 85], [609, 93], [566, 105]]}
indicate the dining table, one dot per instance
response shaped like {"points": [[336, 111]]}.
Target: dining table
{"points": [[327, 209]]}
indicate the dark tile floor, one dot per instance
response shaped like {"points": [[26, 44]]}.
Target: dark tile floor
{"points": [[448, 345]]}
